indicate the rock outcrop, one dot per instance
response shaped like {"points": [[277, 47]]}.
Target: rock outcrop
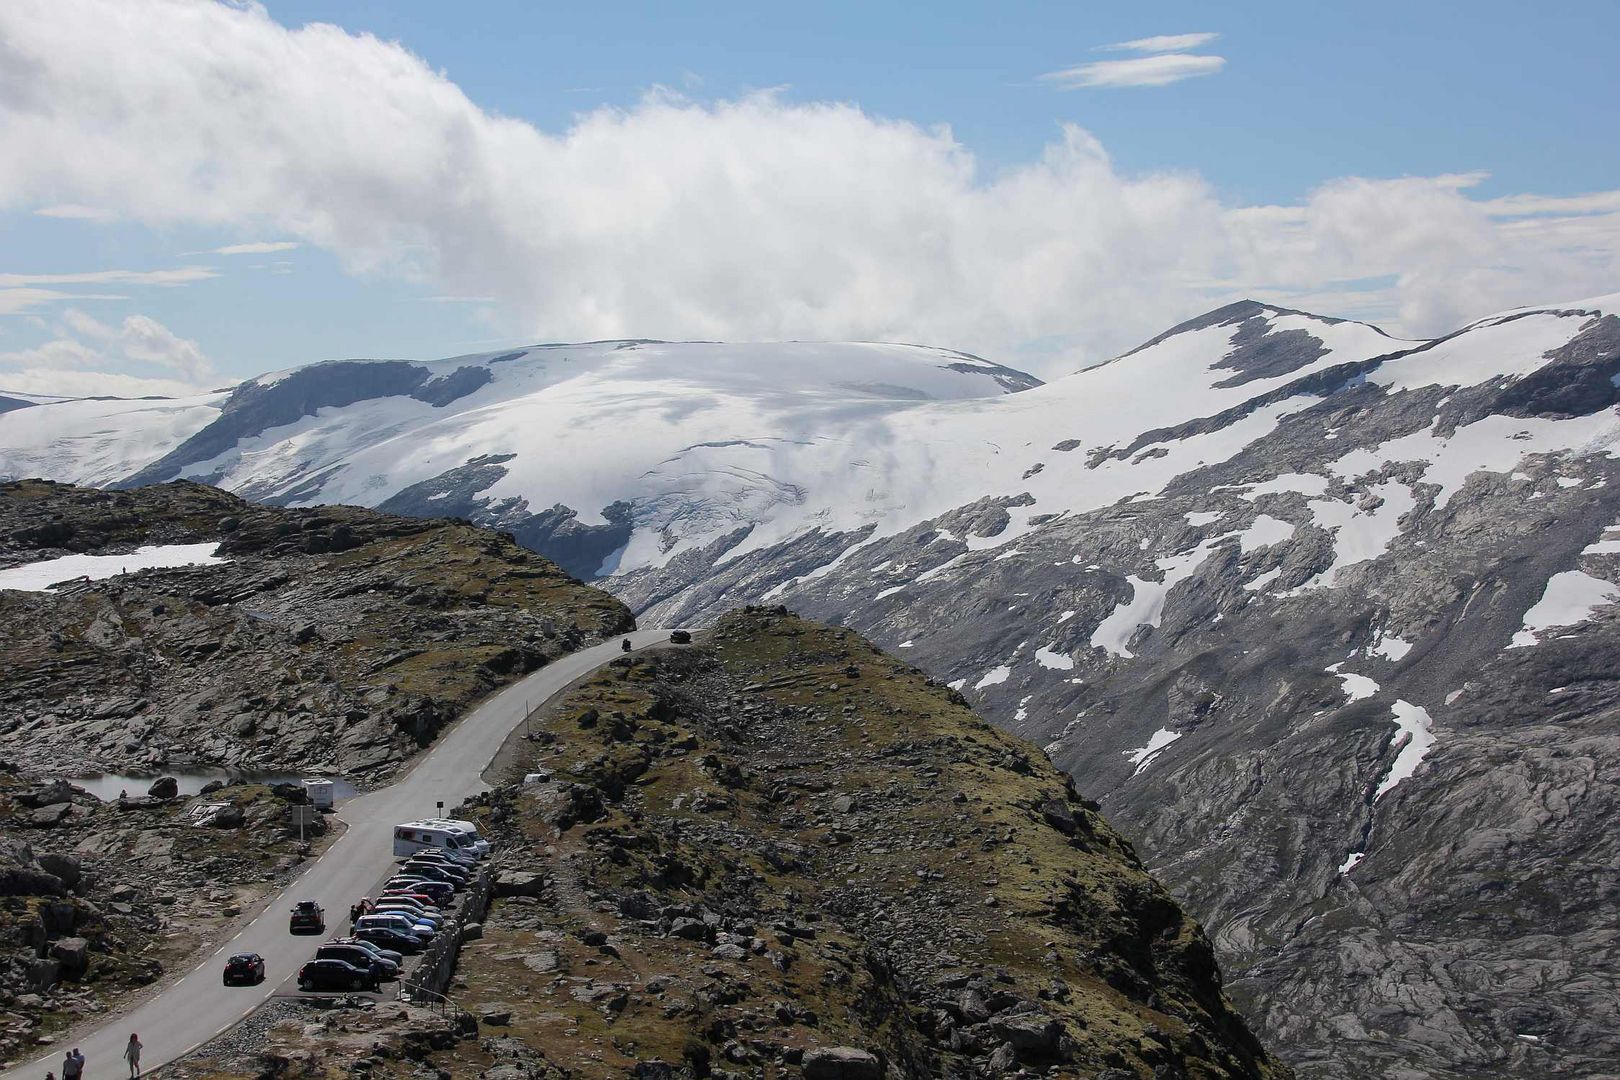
{"points": [[334, 639]]}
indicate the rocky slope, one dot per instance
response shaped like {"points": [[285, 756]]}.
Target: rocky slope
{"points": [[778, 853], [1345, 683], [335, 640], [98, 900], [1321, 617]]}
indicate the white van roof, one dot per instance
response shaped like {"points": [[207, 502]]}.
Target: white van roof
{"points": [[429, 823]]}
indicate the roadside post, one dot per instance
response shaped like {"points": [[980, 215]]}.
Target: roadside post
{"points": [[303, 815]]}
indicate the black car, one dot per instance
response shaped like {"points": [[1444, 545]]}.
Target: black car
{"points": [[390, 939], [336, 975], [360, 958], [434, 873], [681, 637], [244, 969], [308, 917]]}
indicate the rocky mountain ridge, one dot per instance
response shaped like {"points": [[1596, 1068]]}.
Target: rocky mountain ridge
{"points": [[1320, 616], [335, 639], [778, 853]]}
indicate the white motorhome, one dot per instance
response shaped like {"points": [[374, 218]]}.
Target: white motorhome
{"points": [[320, 792], [413, 836], [479, 844]]}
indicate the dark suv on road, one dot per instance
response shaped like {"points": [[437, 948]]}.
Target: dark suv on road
{"points": [[335, 975], [244, 969], [360, 958]]}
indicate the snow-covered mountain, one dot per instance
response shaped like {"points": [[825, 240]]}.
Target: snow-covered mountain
{"points": [[1327, 619], [623, 453]]}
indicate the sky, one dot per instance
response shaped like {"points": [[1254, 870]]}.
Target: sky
{"points": [[195, 192]]}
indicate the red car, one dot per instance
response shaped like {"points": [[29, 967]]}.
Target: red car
{"points": [[244, 969]]}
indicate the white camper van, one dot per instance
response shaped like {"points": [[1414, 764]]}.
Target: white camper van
{"points": [[480, 846], [319, 791], [414, 836]]}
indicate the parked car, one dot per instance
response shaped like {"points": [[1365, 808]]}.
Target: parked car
{"points": [[389, 938], [403, 923], [407, 893], [439, 892], [395, 958], [308, 917], [427, 922], [459, 874], [433, 873], [244, 969], [360, 958], [407, 903], [680, 637], [335, 975]]}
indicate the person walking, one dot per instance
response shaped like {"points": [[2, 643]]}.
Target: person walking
{"points": [[67, 1065], [78, 1066], [132, 1054]]}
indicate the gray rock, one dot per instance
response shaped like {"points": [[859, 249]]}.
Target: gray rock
{"points": [[841, 1063], [519, 883], [164, 787], [73, 956]]}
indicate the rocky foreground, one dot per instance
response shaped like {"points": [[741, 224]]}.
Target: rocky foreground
{"points": [[781, 853], [98, 900], [335, 639]]}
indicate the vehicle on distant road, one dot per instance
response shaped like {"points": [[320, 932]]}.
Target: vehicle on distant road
{"points": [[360, 958], [439, 892], [335, 975], [416, 915], [389, 938], [433, 873], [478, 844], [308, 917], [680, 637], [395, 958], [395, 921], [413, 836], [244, 969]]}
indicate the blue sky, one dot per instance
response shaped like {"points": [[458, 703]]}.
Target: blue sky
{"points": [[1177, 197]]}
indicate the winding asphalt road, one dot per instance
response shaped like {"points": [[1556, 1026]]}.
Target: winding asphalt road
{"points": [[197, 1007]]}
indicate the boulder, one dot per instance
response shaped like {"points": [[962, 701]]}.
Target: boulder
{"points": [[1029, 1033], [164, 787], [73, 954], [48, 817], [228, 817], [519, 883], [66, 867], [841, 1063], [57, 791], [491, 1016], [472, 931]]}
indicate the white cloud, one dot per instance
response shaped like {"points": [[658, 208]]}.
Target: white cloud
{"points": [[17, 301], [90, 353], [59, 383], [1163, 43], [74, 212], [1142, 71], [183, 275], [745, 219], [256, 247]]}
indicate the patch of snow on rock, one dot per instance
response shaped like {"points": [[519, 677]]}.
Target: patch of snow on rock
{"points": [[1143, 756], [1057, 661], [994, 677], [1415, 737], [41, 576], [1571, 597]]}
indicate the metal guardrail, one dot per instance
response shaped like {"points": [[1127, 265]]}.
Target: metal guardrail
{"points": [[432, 975]]}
